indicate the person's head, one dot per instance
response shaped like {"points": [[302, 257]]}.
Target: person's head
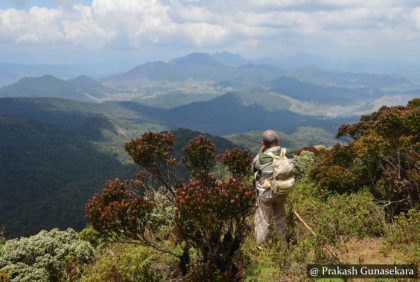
{"points": [[270, 138]]}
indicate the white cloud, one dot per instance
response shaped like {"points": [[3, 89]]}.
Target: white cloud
{"points": [[137, 23]]}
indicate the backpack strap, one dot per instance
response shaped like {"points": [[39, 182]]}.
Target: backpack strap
{"points": [[272, 155], [282, 154]]}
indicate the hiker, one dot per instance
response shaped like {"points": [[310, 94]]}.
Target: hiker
{"points": [[274, 179]]}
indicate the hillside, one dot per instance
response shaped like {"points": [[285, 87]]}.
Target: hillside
{"points": [[302, 137], [323, 94], [231, 113], [49, 171], [54, 154], [60, 151], [81, 88], [316, 75]]}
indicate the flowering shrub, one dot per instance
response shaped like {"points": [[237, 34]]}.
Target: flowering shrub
{"points": [[48, 256], [206, 214], [238, 161]]}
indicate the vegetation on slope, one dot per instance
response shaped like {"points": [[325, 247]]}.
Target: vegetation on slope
{"points": [[302, 137], [55, 154]]}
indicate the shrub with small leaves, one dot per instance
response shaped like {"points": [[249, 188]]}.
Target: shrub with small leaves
{"points": [[304, 163], [238, 162], [404, 235], [382, 154], [46, 256], [206, 214], [117, 211]]}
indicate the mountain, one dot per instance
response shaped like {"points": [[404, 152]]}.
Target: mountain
{"points": [[202, 59], [82, 88], [297, 60], [91, 87], [232, 113], [11, 73], [316, 75], [49, 171], [305, 91], [231, 59], [201, 77], [195, 66]]}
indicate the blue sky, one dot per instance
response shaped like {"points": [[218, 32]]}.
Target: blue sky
{"points": [[21, 4], [80, 31]]}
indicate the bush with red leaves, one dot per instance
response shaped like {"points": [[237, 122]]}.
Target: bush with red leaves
{"points": [[238, 162], [208, 215]]}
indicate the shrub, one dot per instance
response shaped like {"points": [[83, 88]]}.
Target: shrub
{"points": [[382, 154], [47, 256], [304, 163], [334, 215], [128, 263], [204, 213], [404, 235]]}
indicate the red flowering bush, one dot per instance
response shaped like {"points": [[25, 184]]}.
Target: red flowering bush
{"points": [[199, 156], [119, 212], [206, 214], [238, 162]]}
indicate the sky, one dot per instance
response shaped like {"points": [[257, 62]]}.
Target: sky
{"points": [[85, 31]]}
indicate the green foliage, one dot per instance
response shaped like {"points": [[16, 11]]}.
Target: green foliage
{"points": [[55, 154], [92, 236], [48, 256], [304, 164], [404, 235], [382, 155], [337, 216], [301, 137], [128, 263], [2, 242], [48, 172], [334, 218], [204, 272]]}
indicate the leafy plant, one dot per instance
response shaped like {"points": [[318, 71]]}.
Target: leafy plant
{"points": [[382, 155], [207, 215], [47, 256], [404, 235], [128, 263]]}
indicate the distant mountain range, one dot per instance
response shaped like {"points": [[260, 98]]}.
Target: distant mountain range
{"points": [[81, 88], [195, 66], [316, 75], [201, 77]]}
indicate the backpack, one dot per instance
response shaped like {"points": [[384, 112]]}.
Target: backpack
{"points": [[283, 174]]}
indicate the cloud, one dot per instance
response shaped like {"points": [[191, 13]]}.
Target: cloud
{"points": [[194, 23], [416, 18]]}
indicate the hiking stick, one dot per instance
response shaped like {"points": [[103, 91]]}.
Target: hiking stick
{"points": [[304, 223]]}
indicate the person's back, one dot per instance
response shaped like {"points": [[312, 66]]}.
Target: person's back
{"points": [[269, 204]]}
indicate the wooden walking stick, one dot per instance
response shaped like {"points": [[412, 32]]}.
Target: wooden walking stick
{"points": [[304, 223]]}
